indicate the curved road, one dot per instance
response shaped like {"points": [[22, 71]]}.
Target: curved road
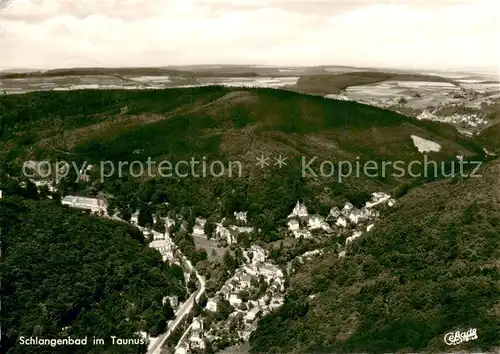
{"points": [[181, 312]]}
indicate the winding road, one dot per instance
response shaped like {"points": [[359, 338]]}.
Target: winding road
{"points": [[181, 312]]}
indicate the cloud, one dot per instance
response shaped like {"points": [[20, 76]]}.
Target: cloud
{"points": [[48, 34]]}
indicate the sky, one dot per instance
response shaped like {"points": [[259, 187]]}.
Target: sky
{"points": [[441, 35]]}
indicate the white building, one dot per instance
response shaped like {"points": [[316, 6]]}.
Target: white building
{"points": [[241, 216], [234, 300], [224, 233], [199, 228], [293, 225], [93, 204], [212, 305], [341, 221], [270, 271], [252, 314], [379, 198], [302, 234], [300, 211], [318, 222], [134, 219], [276, 303], [182, 349], [259, 254], [245, 281]]}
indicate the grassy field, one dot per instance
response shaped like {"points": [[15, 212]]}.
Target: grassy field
{"points": [[334, 84]]}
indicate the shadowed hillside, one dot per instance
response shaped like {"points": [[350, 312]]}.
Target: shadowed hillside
{"points": [[428, 268]]}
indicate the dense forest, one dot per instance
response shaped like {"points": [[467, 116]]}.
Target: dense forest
{"points": [[219, 124], [65, 273], [405, 284]]}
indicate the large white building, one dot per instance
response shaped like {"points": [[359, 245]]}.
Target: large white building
{"points": [[93, 204]]}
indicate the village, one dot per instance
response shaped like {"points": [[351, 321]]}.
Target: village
{"points": [[256, 287]]}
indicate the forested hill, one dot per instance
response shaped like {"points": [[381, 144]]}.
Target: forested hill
{"points": [[66, 273], [221, 124], [429, 268]]}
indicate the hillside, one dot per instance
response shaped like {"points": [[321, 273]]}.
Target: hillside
{"points": [[226, 125], [428, 268], [66, 273]]}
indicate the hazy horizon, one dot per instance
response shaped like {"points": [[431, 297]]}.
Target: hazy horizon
{"points": [[411, 35]]}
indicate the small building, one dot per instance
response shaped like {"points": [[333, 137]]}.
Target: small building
{"points": [[234, 300], [212, 305], [276, 303], [182, 349], [245, 281], [241, 216], [293, 225], [252, 314], [302, 234], [199, 228]]}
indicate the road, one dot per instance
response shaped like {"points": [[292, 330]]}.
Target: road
{"points": [[181, 312]]}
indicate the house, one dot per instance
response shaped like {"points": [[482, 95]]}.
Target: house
{"points": [[270, 271], [182, 349], [196, 339], [355, 216], [234, 300], [251, 269], [293, 225], [241, 216], [259, 254], [379, 198], [252, 314], [300, 211], [197, 324], [199, 228], [318, 222], [302, 234], [354, 236], [212, 305], [168, 224], [224, 233], [334, 214], [248, 331], [347, 209], [225, 291], [173, 300], [245, 281], [341, 221], [241, 229], [134, 219], [276, 303]]}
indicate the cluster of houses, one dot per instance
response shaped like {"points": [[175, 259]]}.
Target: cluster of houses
{"points": [[255, 270], [160, 241], [301, 224], [229, 235], [472, 120]]}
